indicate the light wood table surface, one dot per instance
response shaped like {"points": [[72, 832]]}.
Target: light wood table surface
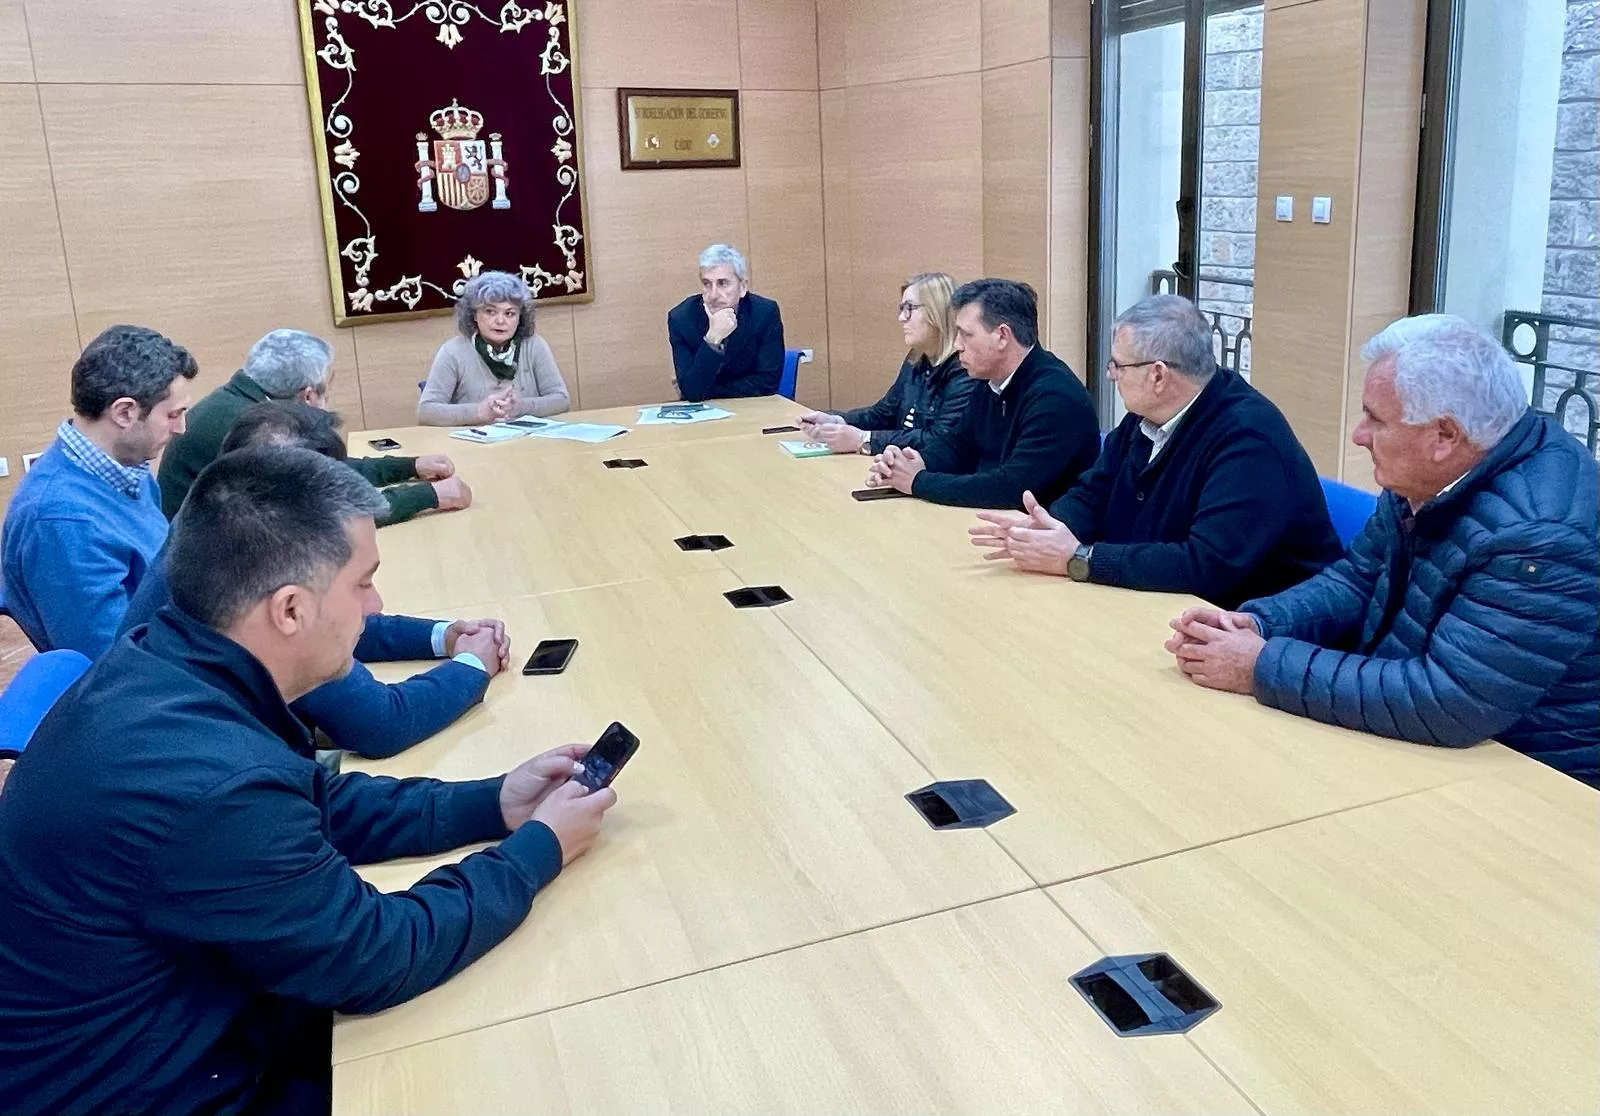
{"points": [[1431, 954], [766, 926], [963, 1012], [1059, 693], [750, 416], [539, 523], [747, 823]]}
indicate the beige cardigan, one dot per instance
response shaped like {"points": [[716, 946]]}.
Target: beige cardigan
{"points": [[458, 382]]}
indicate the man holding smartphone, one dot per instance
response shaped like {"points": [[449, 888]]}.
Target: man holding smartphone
{"points": [[177, 886]]}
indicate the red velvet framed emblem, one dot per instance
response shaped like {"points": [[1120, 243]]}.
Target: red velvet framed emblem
{"points": [[447, 143]]}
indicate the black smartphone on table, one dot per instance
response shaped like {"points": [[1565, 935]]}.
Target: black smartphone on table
{"points": [[866, 494], [610, 753], [550, 657], [384, 444]]}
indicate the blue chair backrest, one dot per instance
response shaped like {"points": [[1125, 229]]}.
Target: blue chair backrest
{"points": [[37, 686], [791, 373], [1349, 508]]}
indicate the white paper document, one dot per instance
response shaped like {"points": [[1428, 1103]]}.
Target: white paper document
{"points": [[681, 414]]}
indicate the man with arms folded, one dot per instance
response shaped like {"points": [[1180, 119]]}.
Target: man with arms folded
{"points": [[1202, 489], [727, 342], [181, 913], [86, 521], [1029, 426], [358, 713], [291, 364], [1468, 608]]}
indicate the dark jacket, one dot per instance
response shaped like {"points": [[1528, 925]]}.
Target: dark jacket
{"points": [[1036, 437], [176, 880], [751, 361], [207, 425], [357, 712], [925, 402], [1230, 509], [1476, 618]]}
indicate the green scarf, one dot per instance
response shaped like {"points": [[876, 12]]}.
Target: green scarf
{"points": [[503, 363]]}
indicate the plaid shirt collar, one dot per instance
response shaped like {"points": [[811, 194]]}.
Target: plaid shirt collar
{"points": [[126, 479]]}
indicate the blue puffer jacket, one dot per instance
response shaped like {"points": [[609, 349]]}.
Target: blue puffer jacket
{"points": [[1478, 618]]}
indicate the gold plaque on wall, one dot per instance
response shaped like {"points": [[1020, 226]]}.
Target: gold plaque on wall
{"points": [[663, 129]]}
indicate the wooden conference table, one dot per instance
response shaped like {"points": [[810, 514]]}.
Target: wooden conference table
{"points": [[767, 926]]}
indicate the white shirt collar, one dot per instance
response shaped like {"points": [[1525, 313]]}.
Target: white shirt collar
{"points": [[1160, 435], [1000, 388]]}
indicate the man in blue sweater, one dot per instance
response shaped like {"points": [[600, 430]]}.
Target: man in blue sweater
{"points": [[1202, 489], [726, 341], [1469, 606], [1029, 426], [358, 713], [179, 906], [86, 520]]}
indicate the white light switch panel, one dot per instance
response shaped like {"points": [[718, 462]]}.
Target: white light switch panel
{"points": [[1285, 208], [1321, 211], [5, 466], [29, 458]]}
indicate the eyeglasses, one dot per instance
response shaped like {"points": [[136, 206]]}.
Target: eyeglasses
{"points": [[1115, 366], [909, 308]]}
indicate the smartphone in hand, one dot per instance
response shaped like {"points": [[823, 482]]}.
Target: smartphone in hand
{"points": [[603, 761]]}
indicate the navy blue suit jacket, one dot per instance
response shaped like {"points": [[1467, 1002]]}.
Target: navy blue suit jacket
{"points": [[751, 361], [357, 712]]}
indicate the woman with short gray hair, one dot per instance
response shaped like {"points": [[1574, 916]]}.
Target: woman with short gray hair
{"points": [[497, 367]]}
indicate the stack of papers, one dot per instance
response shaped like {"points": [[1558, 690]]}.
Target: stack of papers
{"points": [[679, 414], [580, 431], [806, 449], [494, 432], [531, 426]]}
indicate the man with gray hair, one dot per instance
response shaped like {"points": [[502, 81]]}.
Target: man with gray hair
{"points": [[291, 364], [177, 875], [1202, 489], [1469, 606], [727, 343]]}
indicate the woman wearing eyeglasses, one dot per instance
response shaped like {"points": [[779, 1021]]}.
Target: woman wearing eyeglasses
{"points": [[928, 397]]}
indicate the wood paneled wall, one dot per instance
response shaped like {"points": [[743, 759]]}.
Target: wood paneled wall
{"points": [[1340, 104], [155, 167], [953, 139]]}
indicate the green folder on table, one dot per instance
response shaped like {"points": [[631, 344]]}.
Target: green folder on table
{"points": [[805, 449]]}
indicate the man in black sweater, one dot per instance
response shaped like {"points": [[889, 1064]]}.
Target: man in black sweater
{"points": [[177, 886], [1202, 489], [1030, 425]]}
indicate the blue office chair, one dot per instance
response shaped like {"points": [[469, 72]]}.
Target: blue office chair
{"points": [[37, 686], [791, 373], [1349, 508]]}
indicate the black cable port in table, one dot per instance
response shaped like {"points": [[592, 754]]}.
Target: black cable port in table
{"points": [[757, 596], [704, 542], [626, 463], [960, 804], [1144, 994]]}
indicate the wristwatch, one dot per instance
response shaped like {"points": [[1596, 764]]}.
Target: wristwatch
{"points": [[1078, 564], [866, 443]]}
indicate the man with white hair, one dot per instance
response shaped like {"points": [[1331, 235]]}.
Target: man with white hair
{"points": [[291, 364], [727, 343], [1469, 607]]}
